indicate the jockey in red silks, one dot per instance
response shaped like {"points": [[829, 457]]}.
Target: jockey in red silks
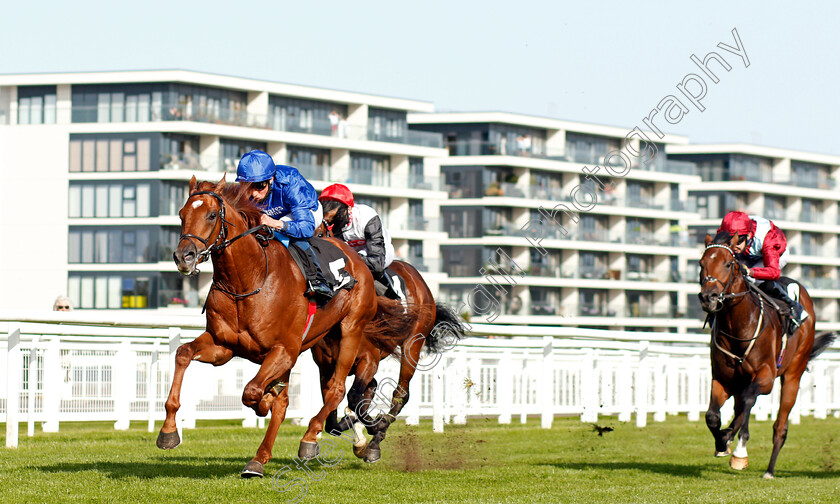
{"points": [[762, 252]]}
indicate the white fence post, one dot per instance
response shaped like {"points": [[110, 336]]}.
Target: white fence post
{"points": [[32, 386], [122, 388], [13, 370], [589, 388], [504, 389], [642, 378], [460, 391], [547, 414], [438, 405], [625, 388], [53, 381], [151, 385], [659, 387], [694, 389], [523, 391]]}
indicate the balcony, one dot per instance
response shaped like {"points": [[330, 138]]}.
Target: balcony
{"points": [[809, 216], [314, 172], [428, 224], [410, 137], [426, 265], [485, 148], [776, 214], [190, 162], [680, 167], [547, 308], [177, 298], [820, 283], [504, 189], [172, 112], [644, 202]]}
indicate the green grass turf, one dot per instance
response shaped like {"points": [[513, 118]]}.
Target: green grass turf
{"points": [[478, 462]]}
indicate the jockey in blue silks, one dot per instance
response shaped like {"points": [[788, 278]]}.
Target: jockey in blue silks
{"points": [[290, 207]]}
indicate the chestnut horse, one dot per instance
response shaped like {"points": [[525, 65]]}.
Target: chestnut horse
{"points": [[748, 351], [436, 328], [256, 310]]}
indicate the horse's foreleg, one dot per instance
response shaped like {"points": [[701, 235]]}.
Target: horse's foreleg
{"points": [[790, 388], [278, 414], [276, 364], [762, 384], [718, 397], [351, 334], [202, 349], [410, 358]]}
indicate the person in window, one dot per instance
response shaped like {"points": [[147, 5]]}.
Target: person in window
{"points": [[290, 207], [762, 252], [362, 229], [62, 303]]}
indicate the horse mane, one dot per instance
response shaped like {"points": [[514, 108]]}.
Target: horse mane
{"points": [[237, 197]]}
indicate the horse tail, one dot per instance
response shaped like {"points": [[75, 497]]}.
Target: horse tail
{"points": [[821, 342], [392, 323], [449, 328]]}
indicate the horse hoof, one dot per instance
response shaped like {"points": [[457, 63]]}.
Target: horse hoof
{"points": [[253, 469], [768, 476], [372, 454], [308, 451], [359, 451], [724, 453], [738, 463], [168, 440]]}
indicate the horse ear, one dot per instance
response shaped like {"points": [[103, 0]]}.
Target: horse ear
{"points": [[709, 239], [221, 185], [193, 184]]}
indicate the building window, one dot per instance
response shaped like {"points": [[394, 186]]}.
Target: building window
{"points": [[36, 104], [110, 154], [306, 116], [110, 199], [109, 290], [110, 245], [180, 152], [381, 205], [370, 169], [589, 149], [233, 150], [313, 164], [386, 125]]}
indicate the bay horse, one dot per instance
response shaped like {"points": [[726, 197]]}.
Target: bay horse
{"points": [[748, 351], [256, 310], [436, 328]]}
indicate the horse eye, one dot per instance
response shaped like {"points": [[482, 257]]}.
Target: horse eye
{"points": [[212, 216], [729, 264]]}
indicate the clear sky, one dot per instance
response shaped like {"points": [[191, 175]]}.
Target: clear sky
{"points": [[601, 62]]}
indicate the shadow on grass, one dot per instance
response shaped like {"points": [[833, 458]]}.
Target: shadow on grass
{"points": [[688, 471], [165, 467]]}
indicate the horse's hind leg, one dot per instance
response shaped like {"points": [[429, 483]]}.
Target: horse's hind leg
{"points": [[278, 414], [718, 397], [202, 349], [790, 388], [411, 356]]}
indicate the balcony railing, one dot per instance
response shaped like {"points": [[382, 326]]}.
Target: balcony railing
{"points": [[177, 298], [820, 283], [543, 308], [504, 189], [411, 137], [775, 213], [427, 265], [485, 148], [430, 224]]}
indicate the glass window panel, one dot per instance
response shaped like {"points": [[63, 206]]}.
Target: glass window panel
{"points": [[118, 107], [74, 245], [75, 201], [128, 247], [102, 155], [75, 155], [157, 106], [24, 105], [129, 208], [103, 109], [73, 290], [131, 108], [143, 108], [35, 115], [114, 292], [86, 297], [88, 155], [144, 200], [115, 250], [116, 155], [115, 201], [144, 148], [101, 256], [87, 246], [88, 200], [49, 109], [142, 246], [101, 292], [102, 200]]}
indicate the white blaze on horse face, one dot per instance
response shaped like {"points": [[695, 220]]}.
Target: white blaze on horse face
{"points": [[197, 203], [741, 449]]}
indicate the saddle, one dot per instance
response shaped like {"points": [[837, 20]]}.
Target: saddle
{"points": [[332, 263]]}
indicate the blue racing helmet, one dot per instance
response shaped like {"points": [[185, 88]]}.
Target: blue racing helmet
{"points": [[255, 166]]}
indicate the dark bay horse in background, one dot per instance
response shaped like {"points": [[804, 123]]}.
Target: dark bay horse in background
{"points": [[435, 328], [747, 351], [256, 310]]}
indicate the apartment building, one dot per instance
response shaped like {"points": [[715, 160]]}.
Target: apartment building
{"points": [[94, 168], [623, 264], [796, 190]]}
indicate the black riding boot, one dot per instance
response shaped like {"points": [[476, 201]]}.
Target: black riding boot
{"points": [[316, 283], [797, 312], [390, 290]]}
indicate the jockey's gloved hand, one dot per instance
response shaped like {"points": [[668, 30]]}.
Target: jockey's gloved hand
{"points": [[745, 270]]}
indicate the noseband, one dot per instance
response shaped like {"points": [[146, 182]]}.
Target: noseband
{"points": [[708, 278]]}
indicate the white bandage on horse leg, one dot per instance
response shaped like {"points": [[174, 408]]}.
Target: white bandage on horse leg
{"points": [[741, 449]]}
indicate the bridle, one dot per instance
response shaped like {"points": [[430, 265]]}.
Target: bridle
{"points": [[221, 242], [723, 296], [728, 286]]}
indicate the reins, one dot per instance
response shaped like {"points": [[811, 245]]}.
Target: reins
{"points": [[222, 242]]}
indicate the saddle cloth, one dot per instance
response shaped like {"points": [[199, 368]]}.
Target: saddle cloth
{"points": [[332, 260]]}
